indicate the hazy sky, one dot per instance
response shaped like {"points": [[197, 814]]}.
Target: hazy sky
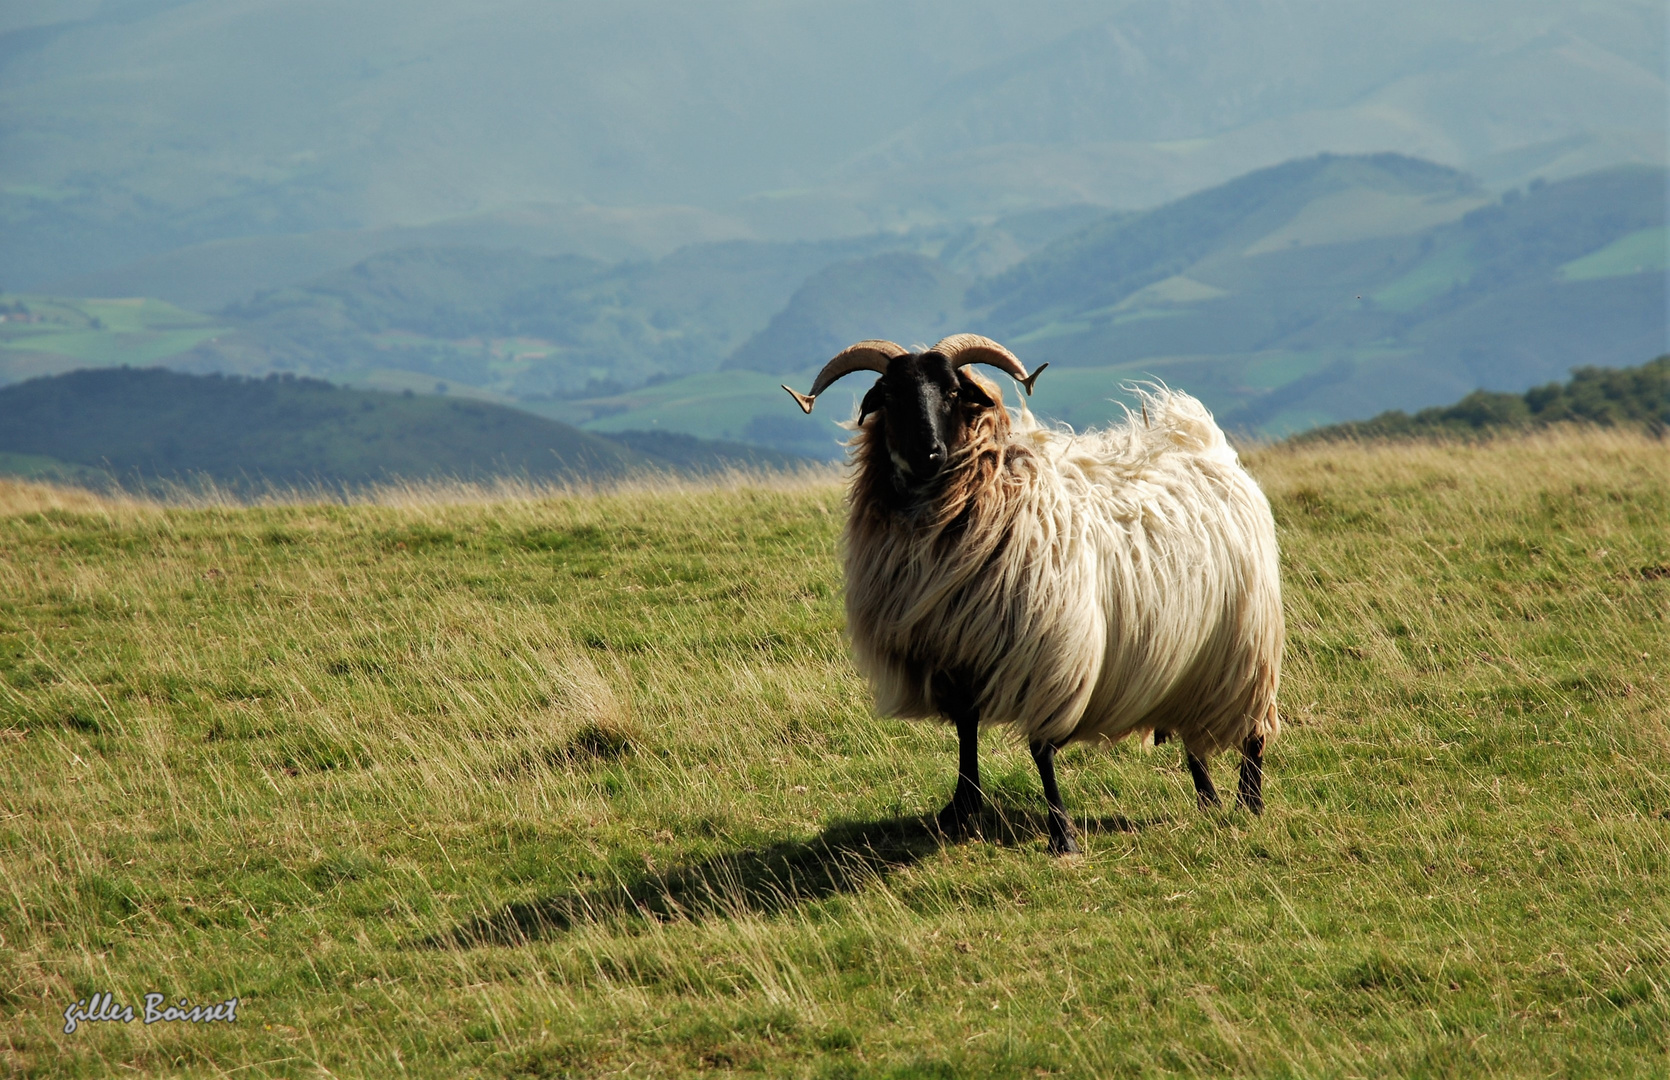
{"points": [[176, 121]]}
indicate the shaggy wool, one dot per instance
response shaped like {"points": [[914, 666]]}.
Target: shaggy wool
{"points": [[1083, 586]]}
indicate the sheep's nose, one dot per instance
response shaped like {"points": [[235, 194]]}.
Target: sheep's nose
{"points": [[936, 457]]}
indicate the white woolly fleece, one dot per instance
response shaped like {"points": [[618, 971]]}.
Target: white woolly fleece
{"points": [[1107, 583]]}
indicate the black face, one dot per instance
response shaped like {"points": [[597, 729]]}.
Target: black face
{"points": [[923, 401]]}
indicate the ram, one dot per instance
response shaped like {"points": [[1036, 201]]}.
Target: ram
{"points": [[1079, 587]]}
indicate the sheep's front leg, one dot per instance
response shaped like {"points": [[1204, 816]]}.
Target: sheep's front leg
{"points": [[1061, 826], [1205, 793], [967, 801], [1251, 792]]}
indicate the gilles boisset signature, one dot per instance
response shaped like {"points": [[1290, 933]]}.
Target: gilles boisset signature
{"points": [[103, 1007]]}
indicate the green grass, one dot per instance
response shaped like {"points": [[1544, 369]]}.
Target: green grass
{"points": [[138, 314], [1445, 269], [1642, 251], [100, 348], [564, 786], [105, 332]]}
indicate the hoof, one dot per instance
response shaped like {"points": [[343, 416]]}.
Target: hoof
{"points": [[1208, 800], [1255, 804], [1063, 845]]}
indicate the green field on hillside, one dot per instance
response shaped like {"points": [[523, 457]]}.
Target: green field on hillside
{"points": [[453, 784], [1445, 269], [50, 335], [1642, 251]]}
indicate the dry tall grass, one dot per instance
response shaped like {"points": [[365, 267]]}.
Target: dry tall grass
{"points": [[455, 781]]}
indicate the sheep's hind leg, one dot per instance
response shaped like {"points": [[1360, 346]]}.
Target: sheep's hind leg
{"points": [[1061, 826], [1251, 792], [967, 801], [1205, 793]]}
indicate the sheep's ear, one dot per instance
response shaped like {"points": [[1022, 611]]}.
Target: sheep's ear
{"points": [[874, 401], [973, 392]]}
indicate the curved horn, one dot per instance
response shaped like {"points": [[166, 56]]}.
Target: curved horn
{"points": [[963, 349], [871, 355]]}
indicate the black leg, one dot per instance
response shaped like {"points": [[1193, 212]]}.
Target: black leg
{"points": [[1161, 736], [1205, 793], [1061, 827], [1251, 793], [968, 799]]}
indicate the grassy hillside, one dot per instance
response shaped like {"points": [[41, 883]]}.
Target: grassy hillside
{"points": [[566, 786], [144, 426], [1103, 264], [51, 335], [1394, 277]]}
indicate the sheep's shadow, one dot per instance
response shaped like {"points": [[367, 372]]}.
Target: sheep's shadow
{"points": [[845, 858]]}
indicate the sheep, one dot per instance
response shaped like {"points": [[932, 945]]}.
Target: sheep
{"points": [[1095, 586]]}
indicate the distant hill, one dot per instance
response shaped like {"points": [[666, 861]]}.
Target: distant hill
{"points": [[505, 321], [1335, 287], [898, 295], [690, 454], [1632, 397], [1321, 290], [1107, 262], [144, 425], [1311, 292], [522, 324]]}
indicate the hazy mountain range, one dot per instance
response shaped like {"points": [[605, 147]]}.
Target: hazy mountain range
{"points": [[264, 142], [1320, 290]]}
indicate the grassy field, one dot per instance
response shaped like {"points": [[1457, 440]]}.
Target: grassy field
{"points": [[456, 783], [1643, 250], [93, 333]]}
